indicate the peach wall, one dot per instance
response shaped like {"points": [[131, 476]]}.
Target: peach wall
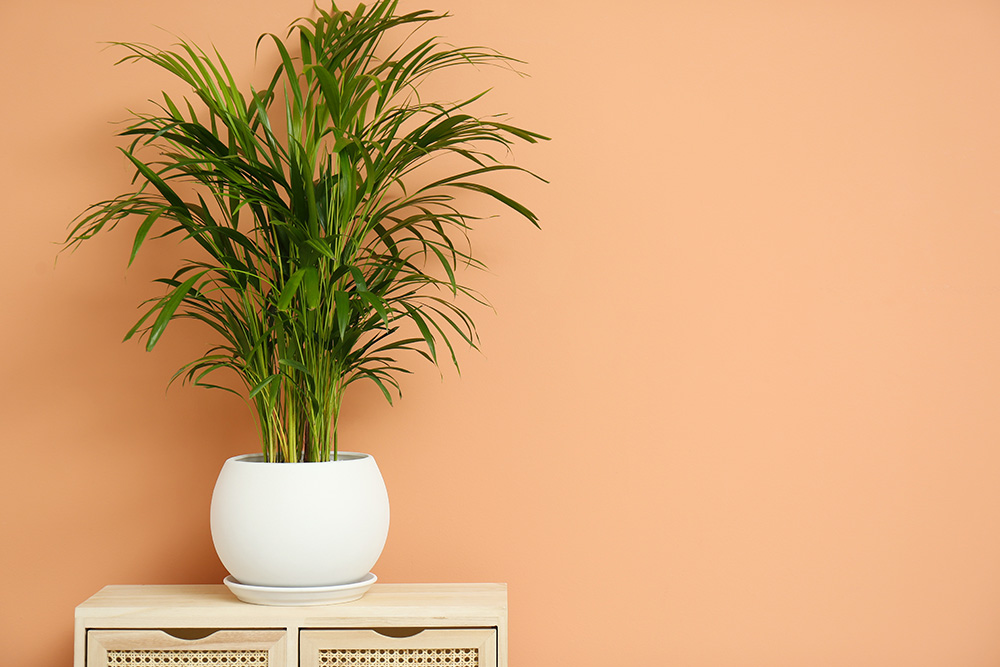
{"points": [[738, 406]]}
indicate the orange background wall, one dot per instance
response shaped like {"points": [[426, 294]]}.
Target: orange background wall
{"points": [[738, 404]]}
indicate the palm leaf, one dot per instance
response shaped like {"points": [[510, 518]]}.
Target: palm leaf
{"points": [[315, 232]]}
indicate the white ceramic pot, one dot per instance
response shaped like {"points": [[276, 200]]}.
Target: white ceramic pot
{"points": [[300, 524]]}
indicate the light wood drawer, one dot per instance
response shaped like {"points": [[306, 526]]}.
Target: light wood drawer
{"points": [[157, 648], [431, 647]]}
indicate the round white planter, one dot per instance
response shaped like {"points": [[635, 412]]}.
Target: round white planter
{"points": [[300, 524]]}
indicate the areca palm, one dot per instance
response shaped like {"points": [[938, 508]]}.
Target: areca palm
{"points": [[318, 245]]}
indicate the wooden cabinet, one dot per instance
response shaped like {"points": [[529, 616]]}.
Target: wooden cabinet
{"points": [[404, 625]]}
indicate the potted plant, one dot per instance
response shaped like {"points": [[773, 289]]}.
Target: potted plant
{"points": [[322, 254]]}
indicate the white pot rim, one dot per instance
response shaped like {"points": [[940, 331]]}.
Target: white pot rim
{"points": [[342, 457]]}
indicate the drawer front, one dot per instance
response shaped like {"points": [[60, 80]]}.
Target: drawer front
{"points": [[462, 647], [155, 648]]}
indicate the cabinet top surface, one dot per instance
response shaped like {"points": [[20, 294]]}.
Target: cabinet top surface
{"points": [[210, 600]]}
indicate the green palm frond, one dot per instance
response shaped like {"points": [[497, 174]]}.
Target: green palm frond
{"points": [[316, 239]]}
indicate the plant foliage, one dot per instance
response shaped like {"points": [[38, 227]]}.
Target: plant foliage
{"points": [[315, 239]]}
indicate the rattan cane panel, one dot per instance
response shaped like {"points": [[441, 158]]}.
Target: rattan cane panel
{"points": [[400, 657], [153, 658]]}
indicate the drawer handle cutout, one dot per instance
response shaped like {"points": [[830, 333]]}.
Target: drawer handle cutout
{"points": [[398, 633], [189, 634]]}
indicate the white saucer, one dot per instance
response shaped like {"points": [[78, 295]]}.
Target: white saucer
{"points": [[300, 596]]}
